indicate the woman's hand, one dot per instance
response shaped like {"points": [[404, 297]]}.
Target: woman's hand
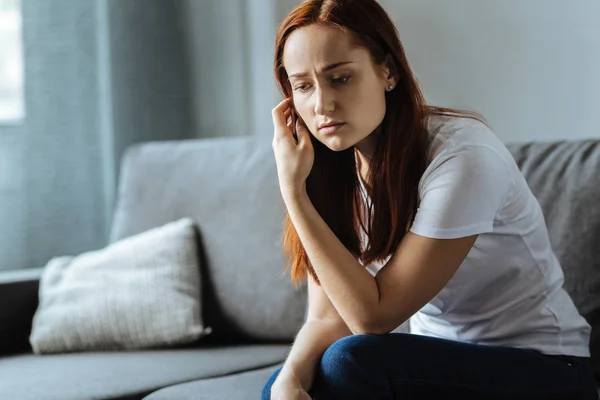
{"points": [[288, 389], [294, 160]]}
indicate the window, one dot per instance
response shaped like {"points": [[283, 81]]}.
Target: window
{"points": [[12, 108]]}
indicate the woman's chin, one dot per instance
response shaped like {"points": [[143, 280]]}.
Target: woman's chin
{"points": [[337, 143]]}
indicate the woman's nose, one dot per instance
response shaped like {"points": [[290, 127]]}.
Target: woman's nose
{"points": [[325, 102]]}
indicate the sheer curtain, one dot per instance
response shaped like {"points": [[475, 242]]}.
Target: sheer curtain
{"points": [[99, 76]]}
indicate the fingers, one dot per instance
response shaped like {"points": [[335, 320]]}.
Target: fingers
{"points": [[282, 118], [302, 132], [279, 118]]}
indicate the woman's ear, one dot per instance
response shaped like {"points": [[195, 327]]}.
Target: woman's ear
{"points": [[390, 71]]}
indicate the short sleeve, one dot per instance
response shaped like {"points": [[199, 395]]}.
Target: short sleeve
{"points": [[461, 193]]}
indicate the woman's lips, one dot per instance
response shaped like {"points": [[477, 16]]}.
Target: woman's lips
{"points": [[328, 130]]}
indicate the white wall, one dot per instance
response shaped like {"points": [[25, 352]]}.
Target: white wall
{"points": [[531, 67]]}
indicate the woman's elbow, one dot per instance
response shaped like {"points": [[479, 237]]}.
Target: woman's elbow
{"points": [[371, 329]]}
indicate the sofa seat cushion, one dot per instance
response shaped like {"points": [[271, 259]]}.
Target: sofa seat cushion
{"points": [[125, 375], [243, 386]]}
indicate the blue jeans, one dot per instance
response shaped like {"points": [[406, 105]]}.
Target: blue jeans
{"points": [[404, 366]]}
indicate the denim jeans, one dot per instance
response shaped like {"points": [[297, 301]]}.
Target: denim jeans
{"points": [[404, 366]]}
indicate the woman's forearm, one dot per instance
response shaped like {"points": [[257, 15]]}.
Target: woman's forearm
{"points": [[351, 288], [311, 342]]}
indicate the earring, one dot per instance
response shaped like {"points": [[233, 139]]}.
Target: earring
{"points": [[390, 87]]}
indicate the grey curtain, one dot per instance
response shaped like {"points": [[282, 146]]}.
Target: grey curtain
{"points": [[99, 76]]}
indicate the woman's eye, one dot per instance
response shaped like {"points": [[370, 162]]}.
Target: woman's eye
{"points": [[341, 79], [301, 88]]}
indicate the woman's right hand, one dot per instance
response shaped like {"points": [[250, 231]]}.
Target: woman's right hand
{"points": [[288, 388]]}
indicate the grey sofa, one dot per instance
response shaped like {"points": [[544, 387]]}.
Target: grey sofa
{"points": [[229, 187]]}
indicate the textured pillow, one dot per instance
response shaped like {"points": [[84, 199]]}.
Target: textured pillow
{"points": [[140, 292]]}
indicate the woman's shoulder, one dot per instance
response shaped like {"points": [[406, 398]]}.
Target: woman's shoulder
{"points": [[455, 133]]}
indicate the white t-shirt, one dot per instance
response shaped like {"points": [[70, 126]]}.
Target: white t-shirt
{"points": [[509, 289]]}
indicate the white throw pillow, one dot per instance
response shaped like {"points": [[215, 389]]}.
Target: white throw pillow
{"points": [[140, 292]]}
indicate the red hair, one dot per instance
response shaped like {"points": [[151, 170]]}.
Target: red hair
{"points": [[400, 156]]}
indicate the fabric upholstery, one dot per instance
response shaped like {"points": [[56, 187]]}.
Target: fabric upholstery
{"points": [[244, 386], [130, 375], [229, 187], [141, 292], [222, 184], [565, 178]]}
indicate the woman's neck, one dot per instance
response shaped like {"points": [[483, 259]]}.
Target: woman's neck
{"points": [[366, 147], [362, 162], [364, 151]]}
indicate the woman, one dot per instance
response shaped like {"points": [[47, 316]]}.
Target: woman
{"points": [[396, 210]]}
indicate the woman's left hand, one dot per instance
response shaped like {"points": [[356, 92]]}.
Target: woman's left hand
{"points": [[294, 160]]}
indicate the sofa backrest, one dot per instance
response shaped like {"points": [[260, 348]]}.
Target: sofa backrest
{"points": [[565, 178], [229, 187]]}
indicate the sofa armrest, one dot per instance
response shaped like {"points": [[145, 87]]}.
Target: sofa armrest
{"points": [[19, 301]]}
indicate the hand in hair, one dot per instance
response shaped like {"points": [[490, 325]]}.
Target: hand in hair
{"points": [[294, 152]]}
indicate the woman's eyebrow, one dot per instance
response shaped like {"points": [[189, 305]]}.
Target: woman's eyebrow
{"points": [[327, 68]]}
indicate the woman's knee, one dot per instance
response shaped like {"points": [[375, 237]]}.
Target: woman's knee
{"points": [[355, 347], [266, 392], [346, 369], [338, 359]]}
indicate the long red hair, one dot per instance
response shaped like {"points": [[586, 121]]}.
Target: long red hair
{"points": [[400, 156]]}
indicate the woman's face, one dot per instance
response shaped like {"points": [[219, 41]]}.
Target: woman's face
{"points": [[333, 80]]}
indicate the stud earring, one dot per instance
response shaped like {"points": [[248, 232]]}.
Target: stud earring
{"points": [[390, 87]]}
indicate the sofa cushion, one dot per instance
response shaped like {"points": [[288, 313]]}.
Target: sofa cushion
{"points": [[141, 292], [565, 178], [244, 386], [124, 375], [229, 187]]}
